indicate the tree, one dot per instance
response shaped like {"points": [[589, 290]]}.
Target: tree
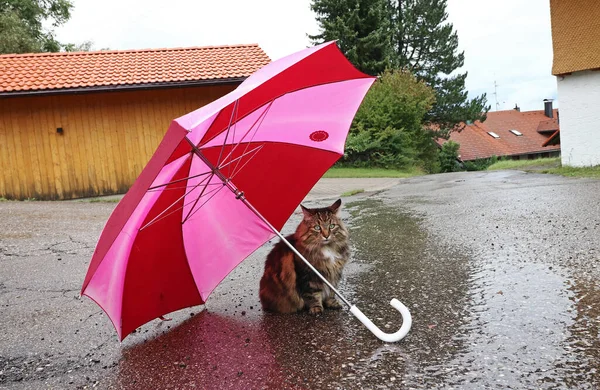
{"points": [[404, 34], [22, 25], [361, 28], [426, 44], [85, 46], [387, 130]]}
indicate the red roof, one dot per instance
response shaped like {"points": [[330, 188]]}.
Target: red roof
{"points": [[66, 71], [476, 142]]}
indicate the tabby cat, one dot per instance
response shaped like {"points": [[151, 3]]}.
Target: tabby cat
{"points": [[288, 285]]}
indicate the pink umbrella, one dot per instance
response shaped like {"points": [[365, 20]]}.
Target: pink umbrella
{"points": [[223, 181]]}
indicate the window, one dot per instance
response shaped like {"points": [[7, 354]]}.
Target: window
{"points": [[493, 134], [516, 132]]}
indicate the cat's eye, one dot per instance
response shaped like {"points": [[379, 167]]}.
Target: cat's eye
{"points": [[317, 227], [332, 226]]}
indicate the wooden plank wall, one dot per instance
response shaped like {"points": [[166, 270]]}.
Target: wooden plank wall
{"points": [[107, 139]]}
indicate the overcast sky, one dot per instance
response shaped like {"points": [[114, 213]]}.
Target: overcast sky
{"points": [[505, 41]]}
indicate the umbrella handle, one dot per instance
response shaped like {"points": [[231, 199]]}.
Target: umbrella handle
{"points": [[387, 337]]}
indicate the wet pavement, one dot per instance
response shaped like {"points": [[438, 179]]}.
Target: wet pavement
{"points": [[499, 269]]}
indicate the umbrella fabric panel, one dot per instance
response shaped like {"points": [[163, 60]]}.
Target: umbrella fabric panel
{"points": [[158, 278], [276, 177], [175, 134], [219, 231], [106, 286], [316, 117]]}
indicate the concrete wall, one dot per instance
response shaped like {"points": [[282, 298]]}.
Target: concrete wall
{"points": [[579, 96]]}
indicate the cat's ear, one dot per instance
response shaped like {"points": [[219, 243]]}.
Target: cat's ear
{"points": [[307, 212], [335, 208]]}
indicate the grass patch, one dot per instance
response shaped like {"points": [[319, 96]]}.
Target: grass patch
{"points": [[100, 200], [353, 192], [593, 172], [525, 165], [548, 165], [345, 172]]}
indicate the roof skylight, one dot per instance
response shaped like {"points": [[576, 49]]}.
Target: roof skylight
{"points": [[493, 134], [516, 132]]}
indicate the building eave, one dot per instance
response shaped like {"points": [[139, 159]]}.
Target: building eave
{"points": [[123, 87]]}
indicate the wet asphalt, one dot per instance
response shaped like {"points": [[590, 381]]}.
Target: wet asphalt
{"points": [[499, 269]]}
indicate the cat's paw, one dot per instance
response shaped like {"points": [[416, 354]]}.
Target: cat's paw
{"points": [[333, 304], [315, 310]]}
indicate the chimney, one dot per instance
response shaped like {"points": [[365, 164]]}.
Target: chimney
{"points": [[548, 108], [517, 108]]}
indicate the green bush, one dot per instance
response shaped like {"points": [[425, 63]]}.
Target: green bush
{"points": [[480, 164], [448, 157], [388, 129]]}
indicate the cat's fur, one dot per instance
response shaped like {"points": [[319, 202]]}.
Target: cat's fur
{"points": [[288, 285]]}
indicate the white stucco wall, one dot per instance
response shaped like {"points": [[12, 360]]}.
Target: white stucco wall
{"points": [[579, 97]]}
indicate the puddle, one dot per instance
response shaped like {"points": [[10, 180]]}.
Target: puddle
{"points": [[481, 319]]}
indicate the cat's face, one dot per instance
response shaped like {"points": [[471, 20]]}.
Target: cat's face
{"points": [[323, 226]]}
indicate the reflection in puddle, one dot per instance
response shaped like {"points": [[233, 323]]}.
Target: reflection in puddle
{"points": [[208, 351], [517, 323]]}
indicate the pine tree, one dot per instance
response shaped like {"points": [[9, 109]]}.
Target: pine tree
{"points": [[426, 44], [361, 28], [404, 34]]}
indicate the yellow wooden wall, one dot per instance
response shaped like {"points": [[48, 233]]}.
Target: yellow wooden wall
{"points": [[107, 139]]}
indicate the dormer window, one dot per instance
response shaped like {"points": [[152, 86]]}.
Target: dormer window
{"points": [[516, 132], [493, 134]]}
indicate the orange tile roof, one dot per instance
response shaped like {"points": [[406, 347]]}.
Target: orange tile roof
{"points": [[475, 142], [575, 35], [67, 71], [548, 125]]}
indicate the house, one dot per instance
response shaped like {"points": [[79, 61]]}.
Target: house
{"points": [[511, 133], [576, 44], [85, 124]]}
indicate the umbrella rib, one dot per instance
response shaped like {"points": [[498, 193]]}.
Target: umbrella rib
{"points": [[260, 118], [239, 157], [234, 129], [215, 192], [197, 199], [252, 138], [173, 204], [233, 114], [181, 207], [177, 181], [236, 171], [179, 188]]}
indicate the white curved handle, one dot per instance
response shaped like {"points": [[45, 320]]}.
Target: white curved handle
{"points": [[387, 337]]}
